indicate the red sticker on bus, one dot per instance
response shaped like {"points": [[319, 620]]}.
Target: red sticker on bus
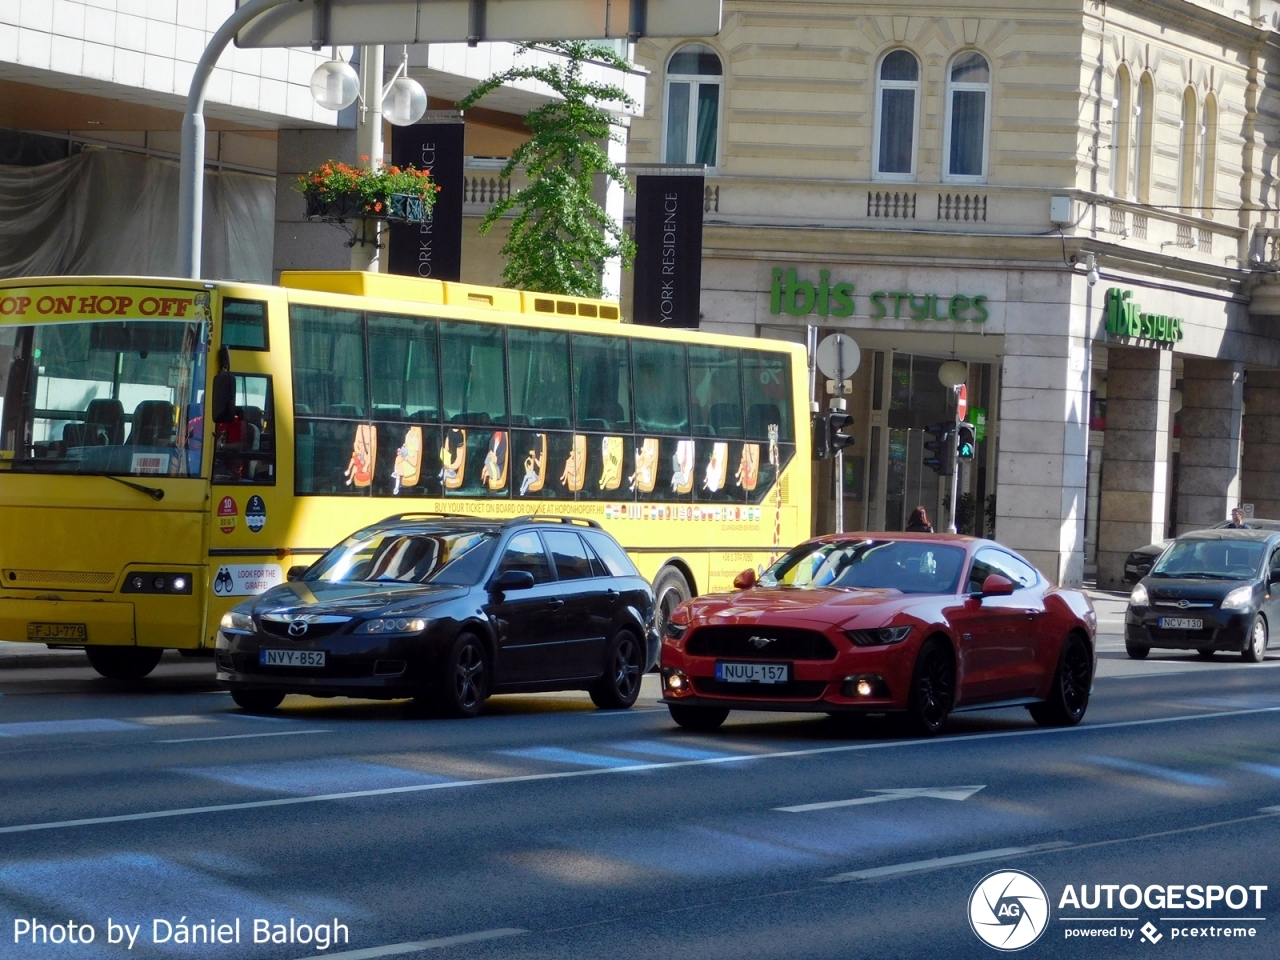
{"points": [[227, 511]]}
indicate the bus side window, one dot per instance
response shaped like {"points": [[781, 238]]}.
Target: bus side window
{"points": [[244, 448], [601, 383], [661, 379], [244, 324]]}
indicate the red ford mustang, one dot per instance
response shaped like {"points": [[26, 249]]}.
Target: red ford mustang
{"points": [[928, 624]]}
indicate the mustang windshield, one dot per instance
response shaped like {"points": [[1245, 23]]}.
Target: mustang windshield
{"points": [[1211, 560], [394, 556], [104, 397], [911, 566]]}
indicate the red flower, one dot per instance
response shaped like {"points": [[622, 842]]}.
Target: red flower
{"points": [[378, 206]]}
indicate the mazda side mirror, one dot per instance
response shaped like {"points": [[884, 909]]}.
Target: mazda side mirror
{"points": [[222, 405], [296, 572], [997, 586], [513, 580], [745, 580]]}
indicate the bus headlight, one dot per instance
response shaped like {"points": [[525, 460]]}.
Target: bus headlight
{"points": [[233, 622]]}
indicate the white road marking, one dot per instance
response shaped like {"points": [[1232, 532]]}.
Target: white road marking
{"points": [[246, 736], [417, 946], [635, 768], [887, 796], [917, 865]]}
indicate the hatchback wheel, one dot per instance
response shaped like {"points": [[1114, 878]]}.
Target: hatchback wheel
{"points": [[1255, 650], [123, 663], [932, 689], [1136, 651], [257, 701], [1069, 695], [465, 685], [619, 685], [697, 718]]}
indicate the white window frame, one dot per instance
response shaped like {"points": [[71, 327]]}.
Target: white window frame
{"points": [[1189, 141], [881, 86], [694, 80], [948, 176]]}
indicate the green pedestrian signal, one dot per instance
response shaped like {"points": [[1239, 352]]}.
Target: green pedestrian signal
{"points": [[967, 440]]}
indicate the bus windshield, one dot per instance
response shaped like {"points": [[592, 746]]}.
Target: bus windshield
{"points": [[104, 397]]}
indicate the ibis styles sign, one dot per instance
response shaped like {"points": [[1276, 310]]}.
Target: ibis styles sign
{"points": [[792, 295], [1125, 318]]}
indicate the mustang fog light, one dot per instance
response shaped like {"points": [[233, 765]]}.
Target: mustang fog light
{"points": [[675, 681], [865, 687]]}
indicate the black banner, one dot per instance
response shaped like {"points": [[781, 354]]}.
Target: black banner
{"points": [[668, 270], [432, 249]]}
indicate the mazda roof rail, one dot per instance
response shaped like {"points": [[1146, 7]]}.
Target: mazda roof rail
{"points": [[552, 518], [428, 515]]}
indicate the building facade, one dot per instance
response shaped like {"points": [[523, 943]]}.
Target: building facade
{"points": [[1076, 199]]}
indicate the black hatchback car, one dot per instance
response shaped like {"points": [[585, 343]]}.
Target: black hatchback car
{"points": [[1210, 590], [448, 609]]}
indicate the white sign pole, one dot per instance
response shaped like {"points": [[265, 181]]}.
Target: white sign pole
{"points": [[364, 249]]}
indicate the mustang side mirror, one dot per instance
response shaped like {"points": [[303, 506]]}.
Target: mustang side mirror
{"points": [[745, 580], [222, 407], [513, 580], [296, 572], [997, 586]]}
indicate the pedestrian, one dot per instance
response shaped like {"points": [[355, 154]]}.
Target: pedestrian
{"points": [[1237, 520], [919, 522]]}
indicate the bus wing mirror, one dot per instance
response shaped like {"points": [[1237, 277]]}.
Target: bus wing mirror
{"points": [[745, 580], [223, 405]]}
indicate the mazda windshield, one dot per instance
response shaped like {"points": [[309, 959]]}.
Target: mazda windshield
{"points": [[453, 557], [910, 566]]}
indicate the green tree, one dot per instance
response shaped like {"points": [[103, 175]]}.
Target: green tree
{"points": [[560, 237]]}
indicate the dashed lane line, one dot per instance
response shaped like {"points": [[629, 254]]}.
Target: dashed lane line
{"points": [[246, 736], [419, 946], [632, 768]]}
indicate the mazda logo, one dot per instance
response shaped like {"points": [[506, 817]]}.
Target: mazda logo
{"points": [[297, 628], [760, 642]]}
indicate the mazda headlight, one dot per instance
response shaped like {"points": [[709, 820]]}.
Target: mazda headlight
{"points": [[1139, 597], [878, 638], [385, 625], [1238, 599], [233, 622]]}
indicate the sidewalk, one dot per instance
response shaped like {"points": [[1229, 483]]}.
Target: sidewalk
{"points": [[37, 655]]}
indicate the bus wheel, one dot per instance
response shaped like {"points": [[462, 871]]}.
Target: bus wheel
{"points": [[670, 589], [123, 663]]}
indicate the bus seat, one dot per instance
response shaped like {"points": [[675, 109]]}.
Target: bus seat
{"points": [[550, 423], [152, 424], [759, 417], [478, 419], [254, 421], [82, 435], [726, 419], [388, 411], [109, 414], [594, 425], [350, 411]]}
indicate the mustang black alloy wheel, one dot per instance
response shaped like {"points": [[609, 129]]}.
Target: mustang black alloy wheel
{"points": [[697, 718], [619, 686], [465, 685], [1069, 694], [932, 689]]}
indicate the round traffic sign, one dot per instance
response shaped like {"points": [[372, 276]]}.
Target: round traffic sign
{"points": [[962, 401], [838, 356]]}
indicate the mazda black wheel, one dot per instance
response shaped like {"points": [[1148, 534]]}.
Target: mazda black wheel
{"points": [[466, 680], [619, 685]]}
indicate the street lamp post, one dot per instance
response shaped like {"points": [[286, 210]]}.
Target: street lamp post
{"points": [[191, 175]]}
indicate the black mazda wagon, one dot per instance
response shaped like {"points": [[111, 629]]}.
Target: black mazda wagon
{"points": [[448, 609]]}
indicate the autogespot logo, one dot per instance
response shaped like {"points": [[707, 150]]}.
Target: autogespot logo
{"points": [[1008, 910]]}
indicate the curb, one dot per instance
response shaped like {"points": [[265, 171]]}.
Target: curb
{"points": [[68, 658]]}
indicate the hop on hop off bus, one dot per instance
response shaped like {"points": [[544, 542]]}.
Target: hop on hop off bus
{"points": [[168, 447]]}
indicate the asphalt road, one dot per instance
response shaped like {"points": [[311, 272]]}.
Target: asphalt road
{"points": [[549, 829]]}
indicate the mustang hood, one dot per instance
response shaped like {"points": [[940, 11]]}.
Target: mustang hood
{"points": [[823, 605]]}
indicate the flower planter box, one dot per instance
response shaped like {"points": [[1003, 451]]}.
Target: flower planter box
{"points": [[396, 208]]}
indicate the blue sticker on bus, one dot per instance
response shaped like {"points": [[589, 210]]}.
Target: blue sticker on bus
{"points": [[255, 514]]}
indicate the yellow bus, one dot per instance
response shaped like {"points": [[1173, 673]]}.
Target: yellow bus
{"points": [[168, 447]]}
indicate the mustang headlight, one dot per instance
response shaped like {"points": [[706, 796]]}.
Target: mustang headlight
{"points": [[878, 638], [1139, 597], [233, 622], [1238, 599], [387, 625]]}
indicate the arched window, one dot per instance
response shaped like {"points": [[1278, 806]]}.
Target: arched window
{"points": [[968, 115], [897, 100], [1121, 132], [1187, 139], [1209, 157], [694, 82], [1142, 142]]}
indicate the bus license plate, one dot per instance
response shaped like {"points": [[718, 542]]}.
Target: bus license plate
{"points": [[291, 658], [54, 632], [753, 672], [1180, 623]]}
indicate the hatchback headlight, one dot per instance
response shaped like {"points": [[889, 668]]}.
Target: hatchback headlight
{"points": [[393, 625], [1238, 599], [234, 622], [1139, 597], [878, 638]]}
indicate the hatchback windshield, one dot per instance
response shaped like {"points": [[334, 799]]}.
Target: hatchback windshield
{"points": [[1211, 559], [397, 556], [907, 565]]}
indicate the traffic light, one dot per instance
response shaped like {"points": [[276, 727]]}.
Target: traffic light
{"points": [[943, 448], [967, 440], [839, 426], [821, 437]]}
